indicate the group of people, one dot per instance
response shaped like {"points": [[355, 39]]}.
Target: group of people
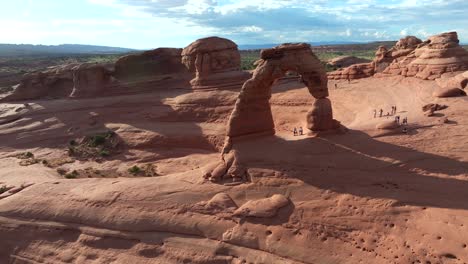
{"points": [[381, 112], [393, 111], [299, 132]]}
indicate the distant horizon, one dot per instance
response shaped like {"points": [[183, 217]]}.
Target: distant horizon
{"points": [[146, 24], [245, 44]]}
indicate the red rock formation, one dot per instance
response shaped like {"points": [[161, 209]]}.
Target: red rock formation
{"points": [[216, 63], [56, 82], [413, 58], [356, 71], [320, 117], [148, 64], [438, 55], [252, 113], [90, 80]]}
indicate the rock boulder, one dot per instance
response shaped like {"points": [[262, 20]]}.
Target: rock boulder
{"points": [[216, 63]]}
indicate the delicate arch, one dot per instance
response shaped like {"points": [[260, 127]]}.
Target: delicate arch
{"points": [[252, 112]]}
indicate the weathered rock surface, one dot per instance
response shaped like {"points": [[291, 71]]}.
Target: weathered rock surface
{"points": [[265, 208], [320, 117], [216, 63], [459, 81], [90, 80], [149, 64], [353, 72], [221, 202], [449, 92], [433, 107]]}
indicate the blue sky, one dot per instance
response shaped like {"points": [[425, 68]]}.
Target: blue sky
{"points": [[145, 24]]}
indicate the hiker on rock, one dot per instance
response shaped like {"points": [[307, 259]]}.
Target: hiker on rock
{"points": [[295, 131]]}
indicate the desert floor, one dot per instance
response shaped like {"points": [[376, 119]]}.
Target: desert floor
{"points": [[365, 196]]}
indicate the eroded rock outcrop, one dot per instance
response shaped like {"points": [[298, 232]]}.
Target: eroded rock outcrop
{"points": [[448, 92], [430, 109], [71, 80], [90, 80], [56, 82], [459, 81], [383, 58], [438, 55], [216, 63], [411, 57], [148, 64], [353, 72], [264, 208]]}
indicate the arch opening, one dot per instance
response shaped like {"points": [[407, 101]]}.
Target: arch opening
{"points": [[252, 113]]}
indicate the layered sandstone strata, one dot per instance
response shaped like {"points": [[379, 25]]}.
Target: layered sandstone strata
{"points": [[438, 55], [411, 57], [216, 63]]}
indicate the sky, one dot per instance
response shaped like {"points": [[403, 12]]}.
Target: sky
{"points": [[145, 24]]}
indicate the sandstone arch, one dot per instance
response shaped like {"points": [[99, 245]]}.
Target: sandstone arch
{"points": [[252, 112]]}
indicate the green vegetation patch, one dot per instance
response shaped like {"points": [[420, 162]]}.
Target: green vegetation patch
{"points": [[96, 146]]}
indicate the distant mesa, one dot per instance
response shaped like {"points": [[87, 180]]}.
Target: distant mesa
{"points": [[411, 57], [216, 63]]}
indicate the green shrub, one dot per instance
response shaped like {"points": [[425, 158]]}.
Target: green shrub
{"points": [[73, 142], [98, 140], [3, 189], [134, 170], [104, 153], [72, 175]]}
